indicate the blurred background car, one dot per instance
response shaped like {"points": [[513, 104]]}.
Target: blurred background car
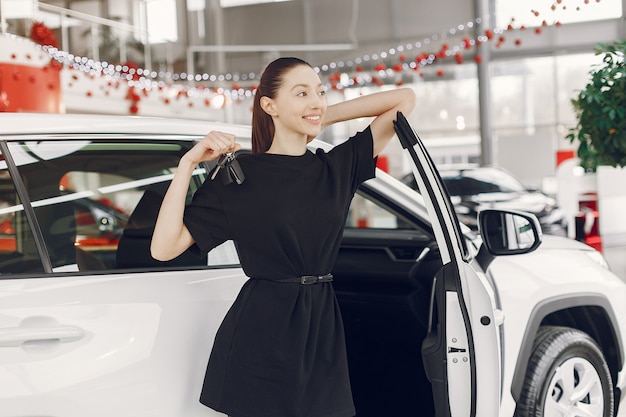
{"points": [[473, 188]]}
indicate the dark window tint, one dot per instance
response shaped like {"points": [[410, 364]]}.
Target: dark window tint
{"points": [[481, 180]]}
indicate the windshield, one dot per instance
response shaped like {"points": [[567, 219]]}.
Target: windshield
{"points": [[479, 181]]}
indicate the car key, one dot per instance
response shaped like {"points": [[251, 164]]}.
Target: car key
{"points": [[232, 171], [220, 164]]}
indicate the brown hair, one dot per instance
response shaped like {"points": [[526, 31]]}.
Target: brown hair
{"points": [[271, 80]]}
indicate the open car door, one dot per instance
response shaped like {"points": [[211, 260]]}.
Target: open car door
{"points": [[461, 351]]}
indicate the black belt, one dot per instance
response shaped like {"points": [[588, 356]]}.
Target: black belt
{"points": [[307, 279]]}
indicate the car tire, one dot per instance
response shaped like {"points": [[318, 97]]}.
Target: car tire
{"points": [[566, 372]]}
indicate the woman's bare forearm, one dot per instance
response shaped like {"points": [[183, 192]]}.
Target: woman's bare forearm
{"points": [[171, 237], [370, 105]]}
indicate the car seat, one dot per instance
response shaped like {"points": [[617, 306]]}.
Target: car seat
{"points": [[133, 250]]}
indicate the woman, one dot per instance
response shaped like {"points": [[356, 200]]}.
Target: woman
{"points": [[280, 351]]}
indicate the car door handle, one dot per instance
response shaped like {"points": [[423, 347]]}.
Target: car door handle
{"points": [[16, 336]]}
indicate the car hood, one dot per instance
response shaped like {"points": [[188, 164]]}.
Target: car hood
{"points": [[550, 242]]}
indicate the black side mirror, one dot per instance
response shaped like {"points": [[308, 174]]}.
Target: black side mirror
{"points": [[509, 232]]}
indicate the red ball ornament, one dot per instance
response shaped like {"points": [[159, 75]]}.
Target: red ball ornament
{"points": [[518, 42], [380, 67], [538, 31], [359, 68], [489, 34], [166, 100], [207, 102], [458, 57], [134, 109], [89, 94], [440, 73], [478, 59], [397, 68], [13, 56], [402, 57]]}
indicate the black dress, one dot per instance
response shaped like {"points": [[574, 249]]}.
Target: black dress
{"points": [[280, 351]]}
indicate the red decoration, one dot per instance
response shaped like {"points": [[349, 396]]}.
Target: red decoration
{"points": [[538, 31], [478, 59], [4, 101], [134, 109], [440, 73], [41, 34]]}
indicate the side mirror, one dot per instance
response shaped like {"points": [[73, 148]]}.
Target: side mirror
{"points": [[509, 232]]}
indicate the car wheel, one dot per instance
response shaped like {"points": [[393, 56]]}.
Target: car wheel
{"points": [[567, 376]]}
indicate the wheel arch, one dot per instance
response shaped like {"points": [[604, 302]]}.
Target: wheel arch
{"points": [[591, 313]]}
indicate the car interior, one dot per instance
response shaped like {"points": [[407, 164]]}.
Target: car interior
{"points": [[382, 277]]}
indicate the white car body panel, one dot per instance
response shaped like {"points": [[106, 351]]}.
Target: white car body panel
{"points": [[578, 275], [151, 336]]}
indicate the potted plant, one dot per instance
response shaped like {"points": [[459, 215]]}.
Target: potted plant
{"points": [[601, 135], [601, 111]]}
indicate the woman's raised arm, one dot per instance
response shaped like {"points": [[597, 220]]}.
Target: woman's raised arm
{"points": [[171, 237], [382, 105]]}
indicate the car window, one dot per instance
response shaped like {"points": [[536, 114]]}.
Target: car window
{"points": [[366, 214], [96, 201], [478, 181], [18, 251]]}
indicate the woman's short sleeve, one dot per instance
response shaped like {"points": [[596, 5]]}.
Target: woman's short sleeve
{"points": [[358, 151], [205, 218]]}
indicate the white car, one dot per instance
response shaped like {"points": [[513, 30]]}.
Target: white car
{"points": [[439, 321]]}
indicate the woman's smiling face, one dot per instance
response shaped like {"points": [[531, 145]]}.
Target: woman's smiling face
{"points": [[300, 103]]}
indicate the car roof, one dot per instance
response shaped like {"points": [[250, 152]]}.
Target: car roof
{"points": [[52, 124]]}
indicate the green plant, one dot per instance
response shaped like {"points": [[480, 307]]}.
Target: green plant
{"points": [[601, 111]]}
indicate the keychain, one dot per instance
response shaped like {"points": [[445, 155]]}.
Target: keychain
{"points": [[232, 171]]}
